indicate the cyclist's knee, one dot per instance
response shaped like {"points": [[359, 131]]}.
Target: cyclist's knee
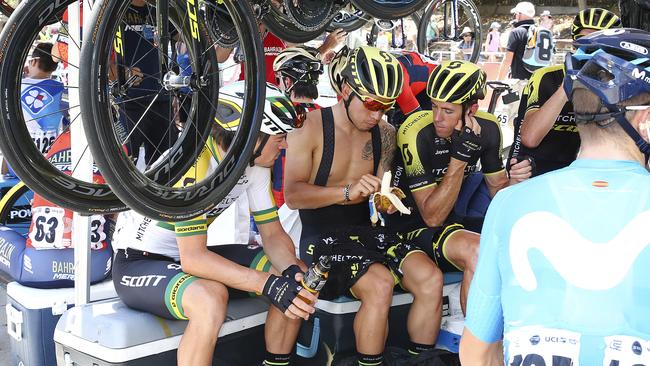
{"points": [[206, 301], [426, 280], [376, 286]]}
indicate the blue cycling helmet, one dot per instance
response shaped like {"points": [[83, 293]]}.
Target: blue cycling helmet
{"points": [[614, 64]]}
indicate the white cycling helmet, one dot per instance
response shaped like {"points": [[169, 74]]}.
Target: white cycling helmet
{"points": [[280, 115]]}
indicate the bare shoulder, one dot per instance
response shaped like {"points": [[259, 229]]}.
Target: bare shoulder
{"points": [[311, 129], [387, 130]]}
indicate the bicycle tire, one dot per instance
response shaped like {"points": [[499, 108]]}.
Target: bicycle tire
{"points": [[389, 9], [356, 20], [473, 22], [16, 198], [137, 190], [17, 145], [286, 30]]}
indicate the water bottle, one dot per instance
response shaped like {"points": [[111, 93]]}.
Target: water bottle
{"points": [[316, 277]]}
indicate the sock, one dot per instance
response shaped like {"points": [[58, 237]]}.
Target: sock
{"points": [[417, 348], [273, 359], [370, 360]]}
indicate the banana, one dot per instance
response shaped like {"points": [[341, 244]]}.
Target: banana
{"points": [[381, 201]]}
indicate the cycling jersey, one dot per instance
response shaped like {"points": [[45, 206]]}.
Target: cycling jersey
{"points": [[51, 226], [561, 144], [416, 69], [43, 110], [563, 268], [142, 233], [272, 48], [425, 156]]}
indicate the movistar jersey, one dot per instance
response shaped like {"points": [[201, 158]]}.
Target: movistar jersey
{"points": [[564, 266], [425, 157], [142, 233], [561, 144], [42, 110]]}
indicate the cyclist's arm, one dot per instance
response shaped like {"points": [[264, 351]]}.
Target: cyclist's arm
{"points": [[473, 351], [223, 53], [198, 261], [387, 147], [505, 65], [277, 244], [538, 121], [484, 321], [298, 192], [436, 201], [493, 170], [407, 102]]}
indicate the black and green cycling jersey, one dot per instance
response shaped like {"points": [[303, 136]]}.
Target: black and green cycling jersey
{"points": [[561, 144]]}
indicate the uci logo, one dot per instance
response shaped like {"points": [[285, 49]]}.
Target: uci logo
{"points": [[636, 348], [534, 340], [634, 47]]}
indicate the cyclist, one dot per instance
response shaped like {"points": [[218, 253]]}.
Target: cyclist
{"points": [[564, 262], [548, 132], [440, 147], [416, 69], [41, 98], [333, 166], [187, 279], [297, 70]]}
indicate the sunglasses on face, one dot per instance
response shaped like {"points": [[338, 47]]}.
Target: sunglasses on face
{"points": [[374, 105]]}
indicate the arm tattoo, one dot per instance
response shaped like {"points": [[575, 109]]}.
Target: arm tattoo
{"points": [[388, 141], [366, 153]]}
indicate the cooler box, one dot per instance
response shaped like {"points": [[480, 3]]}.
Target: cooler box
{"points": [[109, 333], [32, 315], [331, 326]]}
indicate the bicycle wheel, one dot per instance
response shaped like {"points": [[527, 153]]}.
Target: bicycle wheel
{"points": [[26, 103], [277, 21], [389, 9], [349, 19], [15, 208], [187, 101], [437, 32]]}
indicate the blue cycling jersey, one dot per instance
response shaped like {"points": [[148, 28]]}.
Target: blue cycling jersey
{"points": [[564, 268], [43, 110]]}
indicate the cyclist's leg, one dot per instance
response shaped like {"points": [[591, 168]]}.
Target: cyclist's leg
{"points": [[422, 278], [375, 290], [280, 332], [158, 285], [460, 249]]}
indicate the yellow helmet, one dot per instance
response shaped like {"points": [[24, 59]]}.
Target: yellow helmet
{"points": [[456, 82], [336, 67], [594, 18], [371, 71]]}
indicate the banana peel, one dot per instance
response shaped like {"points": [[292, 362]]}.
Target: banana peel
{"points": [[381, 201]]}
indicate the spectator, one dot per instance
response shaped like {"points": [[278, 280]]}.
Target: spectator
{"points": [[466, 46], [546, 20], [492, 41]]}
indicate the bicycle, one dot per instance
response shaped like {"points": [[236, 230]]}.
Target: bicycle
{"points": [[15, 208], [188, 96], [442, 23]]}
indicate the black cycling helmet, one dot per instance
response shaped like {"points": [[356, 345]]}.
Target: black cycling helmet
{"points": [[594, 18], [300, 64]]}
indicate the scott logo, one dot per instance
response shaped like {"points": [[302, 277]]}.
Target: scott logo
{"points": [[634, 47]]}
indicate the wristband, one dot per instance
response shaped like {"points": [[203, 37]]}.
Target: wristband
{"points": [[346, 193]]}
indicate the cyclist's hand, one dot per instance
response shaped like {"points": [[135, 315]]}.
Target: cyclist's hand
{"points": [[283, 294], [332, 40], [520, 170], [294, 271], [471, 122], [367, 185], [464, 144]]}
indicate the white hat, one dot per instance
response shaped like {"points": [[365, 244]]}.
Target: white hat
{"points": [[546, 13], [467, 30], [495, 25], [525, 8]]}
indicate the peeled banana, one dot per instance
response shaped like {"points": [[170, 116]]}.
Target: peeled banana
{"points": [[381, 201]]}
